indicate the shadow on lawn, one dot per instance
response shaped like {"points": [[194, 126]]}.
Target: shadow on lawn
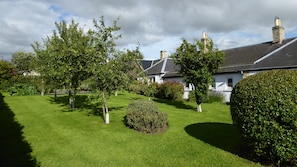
{"points": [[14, 149], [82, 103], [177, 104], [220, 135]]}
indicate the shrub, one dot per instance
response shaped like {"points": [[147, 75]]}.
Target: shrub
{"points": [[21, 89], [170, 91], [264, 109], [148, 89], [145, 117], [135, 87], [212, 97]]}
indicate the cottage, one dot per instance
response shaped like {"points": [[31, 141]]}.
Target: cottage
{"points": [[280, 53]]}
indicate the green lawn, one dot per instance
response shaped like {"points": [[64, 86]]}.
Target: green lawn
{"points": [[37, 130]]}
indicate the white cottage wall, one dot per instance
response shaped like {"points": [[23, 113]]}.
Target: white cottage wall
{"points": [[222, 85]]}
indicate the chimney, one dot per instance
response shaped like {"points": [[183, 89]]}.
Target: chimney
{"points": [[204, 40], [163, 55], [278, 31]]}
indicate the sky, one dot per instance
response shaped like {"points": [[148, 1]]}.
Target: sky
{"points": [[156, 25]]}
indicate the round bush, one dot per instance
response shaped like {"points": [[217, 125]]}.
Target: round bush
{"points": [[264, 109], [145, 117]]}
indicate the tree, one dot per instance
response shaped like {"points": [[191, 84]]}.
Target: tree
{"points": [[198, 61], [102, 65], [47, 65], [66, 55], [23, 61], [6, 73], [127, 65]]}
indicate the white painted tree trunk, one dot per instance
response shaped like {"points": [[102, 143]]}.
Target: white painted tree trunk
{"points": [[116, 93], [105, 109], [107, 117], [199, 108]]}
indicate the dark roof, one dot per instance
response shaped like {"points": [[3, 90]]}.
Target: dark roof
{"points": [[260, 56], [146, 63], [162, 66]]}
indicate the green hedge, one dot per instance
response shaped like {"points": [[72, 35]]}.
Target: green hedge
{"points": [[264, 109], [212, 97], [166, 90], [144, 116], [170, 91]]}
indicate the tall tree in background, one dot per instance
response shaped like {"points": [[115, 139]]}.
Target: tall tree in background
{"points": [[23, 61], [47, 65], [128, 64], [198, 61]]}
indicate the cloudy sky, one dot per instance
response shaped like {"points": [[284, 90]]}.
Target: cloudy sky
{"points": [[155, 24]]}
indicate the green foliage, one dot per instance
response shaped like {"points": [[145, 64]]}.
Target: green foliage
{"points": [[144, 116], [6, 74], [264, 108], [170, 91], [71, 55], [135, 87], [24, 62], [129, 66], [211, 97], [22, 89], [198, 62]]}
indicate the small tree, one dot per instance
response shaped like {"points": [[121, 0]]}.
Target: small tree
{"points": [[198, 61], [102, 63]]}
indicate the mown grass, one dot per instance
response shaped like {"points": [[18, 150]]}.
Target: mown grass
{"points": [[55, 136]]}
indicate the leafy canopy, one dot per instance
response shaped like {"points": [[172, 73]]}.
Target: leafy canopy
{"points": [[198, 61]]}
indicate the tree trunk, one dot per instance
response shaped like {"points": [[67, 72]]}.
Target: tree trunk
{"points": [[55, 95], [105, 109], [71, 99], [116, 93], [106, 114], [42, 88], [199, 108]]}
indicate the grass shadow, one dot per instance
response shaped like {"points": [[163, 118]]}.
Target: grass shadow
{"points": [[177, 104], [221, 135], [82, 103], [14, 149]]}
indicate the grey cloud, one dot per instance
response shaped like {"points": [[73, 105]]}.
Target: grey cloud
{"points": [[150, 22]]}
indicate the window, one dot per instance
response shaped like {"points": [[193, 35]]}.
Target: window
{"points": [[230, 82]]}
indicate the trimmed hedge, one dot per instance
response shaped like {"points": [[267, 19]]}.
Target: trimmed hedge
{"points": [[264, 109], [144, 116], [166, 90], [212, 97]]}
